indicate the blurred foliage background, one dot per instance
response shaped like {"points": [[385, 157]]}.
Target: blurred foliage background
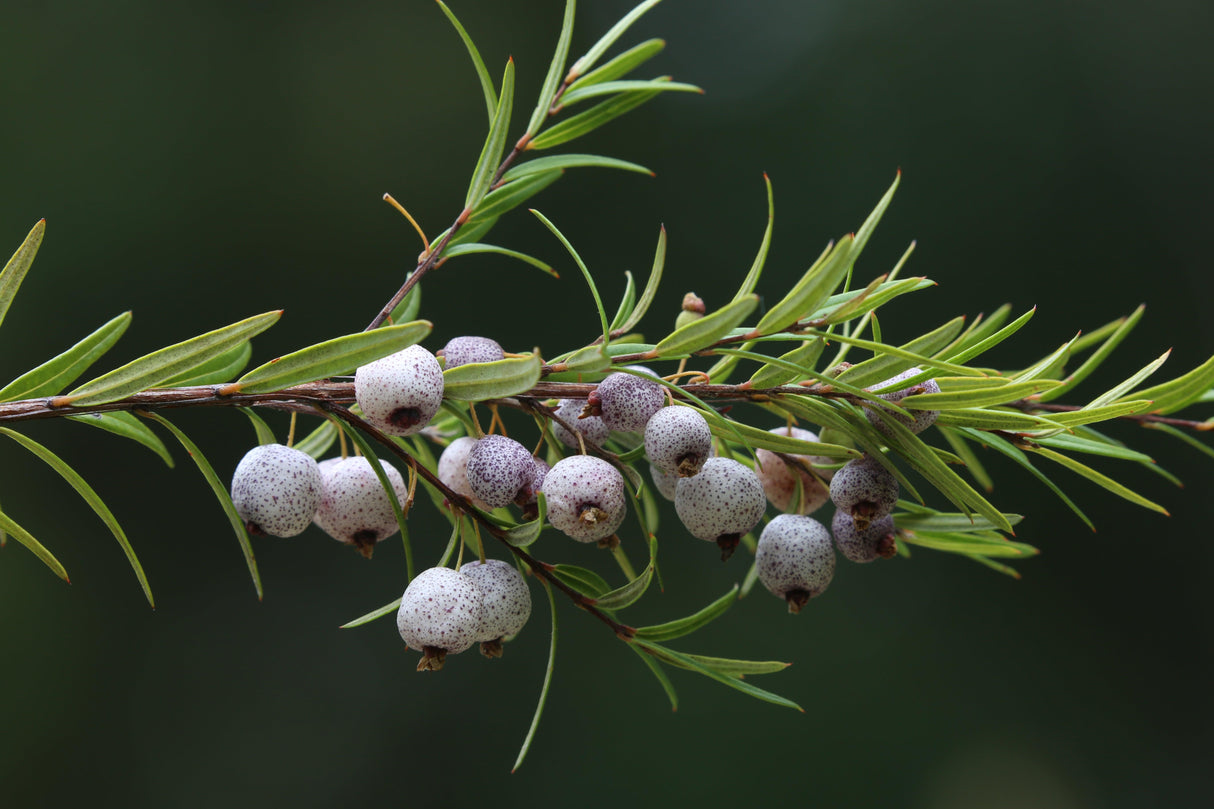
{"points": [[202, 162]]}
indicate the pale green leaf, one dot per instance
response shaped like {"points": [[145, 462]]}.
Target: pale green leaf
{"points": [[264, 434], [622, 64], [479, 247], [492, 380], [592, 56], [628, 302], [661, 84], [980, 396], [594, 290], [683, 661], [651, 286], [127, 426], [556, 68], [1122, 328], [702, 333], [756, 266], [1179, 392], [220, 368], [628, 594], [814, 287], [586, 122], [775, 374], [1098, 478], [15, 270], [548, 669], [57, 373], [482, 73], [685, 626], [12, 529], [542, 165], [495, 143], [317, 442], [387, 609]]}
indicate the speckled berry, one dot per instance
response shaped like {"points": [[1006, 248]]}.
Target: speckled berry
{"points": [[453, 468], [795, 559], [891, 392], [721, 503], [780, 480], [354, 508], [463, 350], [400, 393], [865, 490], [442, 612], [877, 540], [586, 498], [626, 402], [500, 470], [677, 440], [507, 602], [276, 490], [667, 483], [591, 427]]}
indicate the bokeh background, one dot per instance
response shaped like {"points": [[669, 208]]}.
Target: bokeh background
{"points": [[201, 162]]}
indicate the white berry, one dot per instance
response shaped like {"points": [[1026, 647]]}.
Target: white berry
{"points": [[864, 489], [627, 401], [891, 391], [795, 559], [507, 601], [678, 440], [586, 498], [463, 350], [442, 612], [400, 393], [592, 429], [780, 480], [276, 490], [721, 503], [354, 507], [500, 470]]}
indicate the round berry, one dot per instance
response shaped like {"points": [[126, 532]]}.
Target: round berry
{"points": [[780, 480], [507, 602], [586, 498], [667, 483], [400, 393], [721, 503], [877, 540], [795, 559], [442, 612], [354, 507], [865, 490], [591, 427], [677, 440], [453, 468], [463, 350], [276, 490], [499, 470], [627, 401], [890, 391]]}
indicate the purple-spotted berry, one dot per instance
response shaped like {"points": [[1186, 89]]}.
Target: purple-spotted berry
{"points": [[276, 490], [400, 393], [795, 559]]}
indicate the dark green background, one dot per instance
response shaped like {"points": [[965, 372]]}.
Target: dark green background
{"points": [[202, 162]]}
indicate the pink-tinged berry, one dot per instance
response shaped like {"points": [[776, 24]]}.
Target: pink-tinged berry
{"points": [[891, 392], [463, 350], [586, 498], [400, 393], [354, 508], [864, 490], [780, 480], [677, 440], [500, 471], [721, 503], [276, 490], [507, 602], [795, 559], [592, 429], [626, 402], [875, 541], [442, 612]]}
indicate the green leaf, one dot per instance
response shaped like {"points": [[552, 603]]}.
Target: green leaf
{"points": [[762, 439], [974, 349], [1114, 393], [478, 381], [56, 374], [702, 333], [586, 122], [523, 535], [870, 224], [7, 526], [738, 668], [152, 369], [1048, 366], [90, 497], [14, 273], [981, 328], [539, 708], [506, 198], [657, 671], [589, 359], [317, 442], [555, 70], [586, 582], [651, 286], [621, 65], [980, 396], [756, 266], [341, 355], [661, 84], [684, 661], [482, 73], [542, 165], [888, 362], [592, 56], [1074, 418], [627, 595], [221, 493], [479, 247], [968, 544], [594, 291], [1102, 448], [1098, 478], [495, 142], [935, 521], [1124, 327], [411, 304], [386, 609], [1179, 392], [264, 434], [685, 626], [628, 302], [773, 375], [221, 368], [1183, 436], [970, 458], [993, 565], [985, 419], [127, 426], [808, 294]]}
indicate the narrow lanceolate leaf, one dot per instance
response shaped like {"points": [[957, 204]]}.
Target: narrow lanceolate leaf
{"points": [[492, 380], [870, 224], [969, 543], [15, 270], [1093, 415], [656, 669], [756, 266], [628, 594], [702, 333], [585, 122], [1181, 391], [986, 419], [661, 84], [775, 374], [411, 304], [968, 350], [1098, 478], [762, 439], [152, 369], [543, 165], [56, 374], [127, 426], [972, 464], [815, 286], [317, 442], [341, 355], [482, 73], [222, 368], [592, 56], [685, 626], [651, 286], [220, 491], [982, 327], [479, 247], [264, 434], [587, 360], [887, 363], [1124, 327], [684, 661], [506, 198], [950, 523], [1087, 445], [981, 396], [10, 528], [90, 497], [628, 302], [1046, 366], [556, 70], [495, 142], [523, 535], [1117, 391], [621, 65], [539, 708], [738, 668], [585, 581], [386, 609], [594, 290]]}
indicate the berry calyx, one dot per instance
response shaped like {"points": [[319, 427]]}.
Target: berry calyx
{"points": [[867, 544]]}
